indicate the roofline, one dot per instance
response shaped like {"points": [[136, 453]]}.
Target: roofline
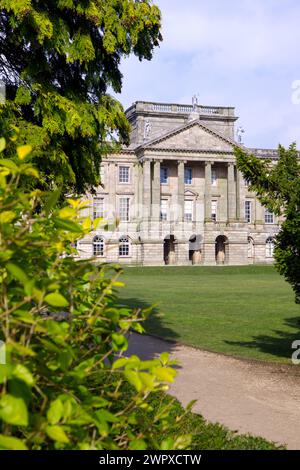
{"points": [[172, 109]]}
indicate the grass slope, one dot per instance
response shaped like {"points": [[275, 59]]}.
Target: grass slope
{"points": [[242, 311], [205, 435]]}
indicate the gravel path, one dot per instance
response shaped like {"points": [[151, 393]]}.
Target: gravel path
{"points": [[250, 397]]}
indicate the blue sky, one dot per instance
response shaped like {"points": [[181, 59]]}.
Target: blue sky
{"points": [[242, 53]]}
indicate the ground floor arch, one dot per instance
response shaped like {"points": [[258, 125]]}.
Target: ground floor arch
{"points": [[250, 249], [170, 250], [221, 249], [196, 249]]}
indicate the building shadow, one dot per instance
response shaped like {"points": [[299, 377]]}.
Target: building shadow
{"points": [[279, 345], [163, 339]]}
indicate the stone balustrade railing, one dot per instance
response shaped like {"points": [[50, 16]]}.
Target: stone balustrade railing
{"points": [[180, 109]]}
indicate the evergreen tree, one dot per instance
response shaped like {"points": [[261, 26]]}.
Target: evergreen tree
{"points": [[278, 188]]}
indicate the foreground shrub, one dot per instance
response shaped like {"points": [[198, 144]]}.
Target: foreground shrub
{"points": [[64, 330]]}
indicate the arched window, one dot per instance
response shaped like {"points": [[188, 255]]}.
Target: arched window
{"points": [[124, 246], [98, 246], [270, 247]]}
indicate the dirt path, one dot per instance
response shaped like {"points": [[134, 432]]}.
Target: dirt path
{"points": [[257, 398]]}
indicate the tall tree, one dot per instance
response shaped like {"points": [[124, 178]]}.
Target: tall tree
{"points": [[278, 188], [58, 60]]}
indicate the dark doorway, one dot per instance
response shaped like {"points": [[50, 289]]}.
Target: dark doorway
{"points": [[221, 249], [170, 250]]}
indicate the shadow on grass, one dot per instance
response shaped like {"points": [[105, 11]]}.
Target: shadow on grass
{"points": [[279, 345], [150, 348]]}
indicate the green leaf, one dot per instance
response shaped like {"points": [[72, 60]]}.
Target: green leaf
{"points": [[65, 359], [22, 373], [17, 272], [29, 171], [55, 412], [11, 443], [164, 357], [67, 225], [23, 95], [107, 416], [148, 380], [166, 374], [23, 151], [22, 350], [167, 444], [5, 372], [7, 163], [119, 342], [56, 300], [137, 444], [7, 216], [134, 379], [13, 410], [52, 200], [120, 363], [2, 144], [57, 433]]}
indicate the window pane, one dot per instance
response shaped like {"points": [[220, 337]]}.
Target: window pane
{"points": [[214, 177], [214, 209], [164, 175], [269, 217], [188, 175], [124, 209], [248, 211], [164, 209], [123, 174], [98, 246], [188, 211], [98, 207], [124, 246]]}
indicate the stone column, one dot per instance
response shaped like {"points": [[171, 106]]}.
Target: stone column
{"points": [[136, 185], [112, 210], [146, 189], [231, 194], [156, 196], [180, 194], [259, 213], [240, 200], [207, 192]]}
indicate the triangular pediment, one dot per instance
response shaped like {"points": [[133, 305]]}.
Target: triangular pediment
{"points": [[190, 193], [192, 136]]}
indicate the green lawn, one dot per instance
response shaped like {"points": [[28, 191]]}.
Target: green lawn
{"points": [[242, 311]]}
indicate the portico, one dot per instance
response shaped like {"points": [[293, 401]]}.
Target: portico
{"points": [[177, 192]]}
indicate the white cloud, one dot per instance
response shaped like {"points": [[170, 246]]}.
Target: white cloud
{"points": [[236, 53], [238, 34]]}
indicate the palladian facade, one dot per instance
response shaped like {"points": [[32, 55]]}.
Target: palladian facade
{"points": [[175, 196]]}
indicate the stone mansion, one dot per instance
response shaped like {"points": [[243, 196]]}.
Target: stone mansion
{"points": [[177, 195]]}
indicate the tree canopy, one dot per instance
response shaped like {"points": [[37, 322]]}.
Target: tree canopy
{"points": [[278, 188], [59, 59]]}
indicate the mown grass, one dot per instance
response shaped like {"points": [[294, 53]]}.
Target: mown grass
{"points": [[242, 311]]}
